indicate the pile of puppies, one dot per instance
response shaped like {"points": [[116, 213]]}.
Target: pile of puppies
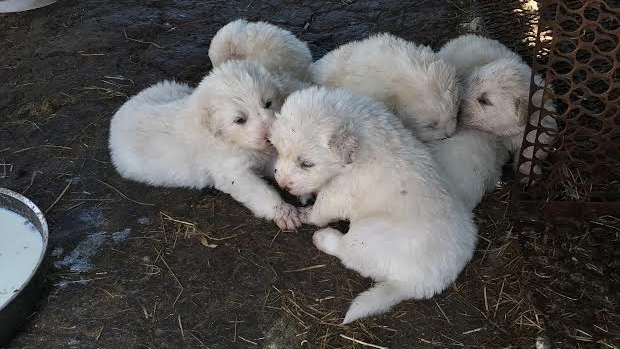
{"points": [[370, 129]]}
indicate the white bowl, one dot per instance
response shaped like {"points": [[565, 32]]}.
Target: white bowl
{"points": [[18, 307], [8, 6]]}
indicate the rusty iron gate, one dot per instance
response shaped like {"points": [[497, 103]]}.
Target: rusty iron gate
{"points": [[574, 45]]}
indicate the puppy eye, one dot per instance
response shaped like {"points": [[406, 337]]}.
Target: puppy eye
{"points": [[240, 120], [484, 100], [267, 104], [306, 165]]}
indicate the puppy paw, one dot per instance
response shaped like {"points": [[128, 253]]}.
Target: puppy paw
{"points": [[304, 214], [287, 217], [307, 216], [327, 240]]}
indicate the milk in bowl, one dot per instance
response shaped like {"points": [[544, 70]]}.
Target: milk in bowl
{"points": [[21, 246]]}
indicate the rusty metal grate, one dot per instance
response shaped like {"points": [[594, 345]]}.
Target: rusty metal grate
{"points": [[577, 51], [574, 45]]}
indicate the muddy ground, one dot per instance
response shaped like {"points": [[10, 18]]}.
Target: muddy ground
{"points": [[133, 266]]}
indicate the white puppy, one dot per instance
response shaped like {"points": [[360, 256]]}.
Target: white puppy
{"points": [[407, 232], [496, 100], [273, 47], [409, 79], [496, 93], [213, 136], [471, 163]]}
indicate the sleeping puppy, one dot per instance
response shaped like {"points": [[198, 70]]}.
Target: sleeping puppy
{"points": [[278, 50], [471, 163], [406, 230], [213, 136], [410, 79]]}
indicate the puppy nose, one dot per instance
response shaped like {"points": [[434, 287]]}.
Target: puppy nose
{"points": [[284, 183]]}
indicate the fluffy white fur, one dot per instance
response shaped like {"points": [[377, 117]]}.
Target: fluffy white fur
{"points": [[496, 100], [496, 93], [471, 163], [470, 51], [409, 79], [407, 232], [276, 49], [212, 136]]}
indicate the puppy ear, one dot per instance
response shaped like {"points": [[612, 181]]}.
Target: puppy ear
{"points": [[521, 107], [209, 122], [344, 144]]}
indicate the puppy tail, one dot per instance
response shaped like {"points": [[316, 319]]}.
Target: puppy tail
{"points": [[376, 300]]}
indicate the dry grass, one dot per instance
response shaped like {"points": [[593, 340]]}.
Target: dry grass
{"points": [[323, 320], [491, 304], [492, 296], [573, 186], [505, 284]]}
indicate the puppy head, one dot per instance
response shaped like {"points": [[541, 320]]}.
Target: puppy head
{"points": [[436, 125], [314, 143], [240, 100], [434, 113], [223, 46], [496, 97]]}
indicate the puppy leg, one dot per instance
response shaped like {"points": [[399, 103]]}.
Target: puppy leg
{"points": [[327, 208], [315, 216], [263, 200], [328, 241]]}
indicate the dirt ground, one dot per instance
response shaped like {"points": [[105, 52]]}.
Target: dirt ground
{"points": [[133, 266]]}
